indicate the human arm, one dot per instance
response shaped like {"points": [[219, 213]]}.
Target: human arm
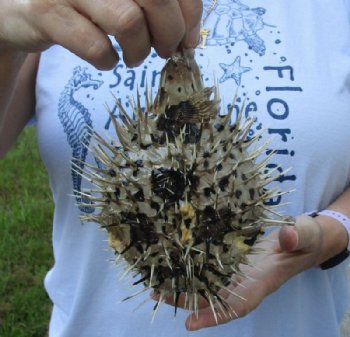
{"points": [[285, 253], [17, 94]]}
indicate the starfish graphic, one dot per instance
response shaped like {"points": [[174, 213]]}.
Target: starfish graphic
{"points": [[233, 70]]}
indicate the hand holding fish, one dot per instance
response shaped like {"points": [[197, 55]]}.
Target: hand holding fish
{"points": [[83, 27], [283, 254]]}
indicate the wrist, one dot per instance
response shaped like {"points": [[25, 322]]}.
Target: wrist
{"points": [[335, 238]]}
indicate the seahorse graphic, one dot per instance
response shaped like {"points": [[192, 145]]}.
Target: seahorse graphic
{"points": [[76, 121]]}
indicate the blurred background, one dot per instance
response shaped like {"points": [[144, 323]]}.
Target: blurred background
{"points": [[25, 240]]}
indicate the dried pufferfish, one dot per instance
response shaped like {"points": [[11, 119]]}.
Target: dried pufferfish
{"points": [[180, 194]]}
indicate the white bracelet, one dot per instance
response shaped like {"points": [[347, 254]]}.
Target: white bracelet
{"points": [[343, 219]]}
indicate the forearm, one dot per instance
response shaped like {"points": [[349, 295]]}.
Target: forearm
{"points": [[10, 65], [17, 95]]}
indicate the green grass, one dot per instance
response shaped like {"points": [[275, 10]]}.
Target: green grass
{"points": [[25, 240]]}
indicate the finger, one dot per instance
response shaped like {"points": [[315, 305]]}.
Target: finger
{"points": [[166, 24], [301, 236], [192, 13], [288, 239], [125, 20], [66, 27]]}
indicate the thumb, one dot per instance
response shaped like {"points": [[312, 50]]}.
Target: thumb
{"points": [[301, 236]]}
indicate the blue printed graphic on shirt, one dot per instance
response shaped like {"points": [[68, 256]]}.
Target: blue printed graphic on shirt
{"points": [[234, 70], [233, 22], [76, 121]]}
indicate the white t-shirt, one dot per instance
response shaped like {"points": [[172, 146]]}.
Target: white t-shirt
{"points": [[290, 60]]}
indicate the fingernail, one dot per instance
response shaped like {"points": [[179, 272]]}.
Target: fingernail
{"points": [[108, 63], [135, 65], [193, 38]]}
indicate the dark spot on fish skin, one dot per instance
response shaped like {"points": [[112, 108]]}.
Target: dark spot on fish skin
{"points": [[134, 137], [250, 241], [117, 193], [155, 206], [233, 128], [238, 194], [223, 183], [162, 92], [206, 164], [219, 127], [251, 193], [187, 223], [232, 156], [145, 147], [112, 173], [139, 196], [219, 167], [139, 163], [208, 191], [170, 77]]}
